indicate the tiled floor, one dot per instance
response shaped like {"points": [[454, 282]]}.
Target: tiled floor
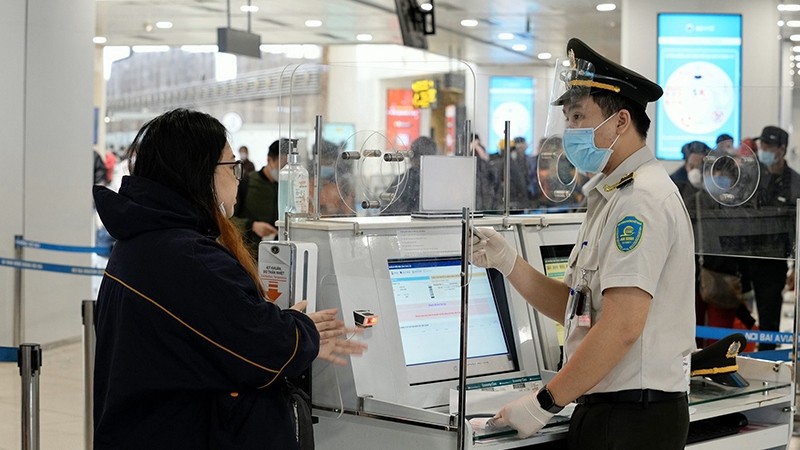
{"points": [[61, 401]]}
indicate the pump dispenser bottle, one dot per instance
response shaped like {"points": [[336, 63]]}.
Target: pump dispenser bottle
{"points": [[293, 186]]}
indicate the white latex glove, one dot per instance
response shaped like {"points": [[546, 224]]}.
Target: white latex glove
{"points": [[489, 249], [523, 414]]}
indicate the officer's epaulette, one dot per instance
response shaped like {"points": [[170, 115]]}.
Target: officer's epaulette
{"points": [[624, 181]]}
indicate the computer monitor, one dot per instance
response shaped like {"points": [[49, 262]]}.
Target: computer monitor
{"points": [[555, 259], [427, 295]]}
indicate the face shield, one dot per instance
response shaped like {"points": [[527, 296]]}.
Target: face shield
{"points": [[731, 174], [572, 83]]}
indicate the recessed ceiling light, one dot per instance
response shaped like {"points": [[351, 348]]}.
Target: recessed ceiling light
{"points": [[605, 7], [544, 55], [199, 48], [469, 23], [781, 23], [794, 37], [364, 37], [275, 49], [565, 63], [150, 48], [505, 36], [313, 23], [519, 47], [789, 7], [249, 8], [426, 6], [164, 25], [793, 23], [99, 40], [796, 49]]}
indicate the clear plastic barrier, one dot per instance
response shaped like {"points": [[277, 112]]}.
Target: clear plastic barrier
{"points": [[741, 194], [377, 120]]}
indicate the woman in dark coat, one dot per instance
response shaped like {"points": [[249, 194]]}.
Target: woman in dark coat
{"points": [[189, 353]]}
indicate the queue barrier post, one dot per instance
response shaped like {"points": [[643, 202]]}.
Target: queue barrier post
{"points": [[89, 342], [30, 363]]}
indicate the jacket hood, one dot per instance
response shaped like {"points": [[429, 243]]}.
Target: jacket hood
{"points": [[143, 205]]}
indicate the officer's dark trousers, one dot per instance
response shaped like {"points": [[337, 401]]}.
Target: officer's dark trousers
{"points": [[628, 426]]}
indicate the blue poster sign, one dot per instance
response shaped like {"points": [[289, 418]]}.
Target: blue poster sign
{"points": [[510, 98], [700, 70]]}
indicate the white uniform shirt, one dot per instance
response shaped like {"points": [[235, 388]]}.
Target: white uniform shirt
{"points": [[638, 235]]}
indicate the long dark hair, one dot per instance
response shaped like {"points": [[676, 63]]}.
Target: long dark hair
{"points": [[180, 150]]}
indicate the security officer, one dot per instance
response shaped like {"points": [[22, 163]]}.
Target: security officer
{"points": [[627, 307]]}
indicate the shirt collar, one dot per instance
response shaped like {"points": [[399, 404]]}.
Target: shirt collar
{"points": [[629, 165]]}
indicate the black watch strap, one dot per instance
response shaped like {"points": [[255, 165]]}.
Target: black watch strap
{"points": [[547, 402]]}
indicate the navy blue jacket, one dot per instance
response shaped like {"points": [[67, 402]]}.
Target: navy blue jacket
{"points": [[189, 356]]}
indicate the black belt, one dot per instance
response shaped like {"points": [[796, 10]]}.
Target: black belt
{"points": [[643, 396]]}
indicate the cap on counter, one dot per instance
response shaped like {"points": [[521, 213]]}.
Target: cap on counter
{"points": [[717, 362]]}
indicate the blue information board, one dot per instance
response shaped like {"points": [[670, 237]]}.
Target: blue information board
{"points": [[510, 98], [700, 69]]}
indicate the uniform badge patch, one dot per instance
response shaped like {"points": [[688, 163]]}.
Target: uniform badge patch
{"points": [[629, 233]]}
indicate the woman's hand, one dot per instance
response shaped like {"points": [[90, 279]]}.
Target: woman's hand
{"points": [[332, 347], [327, 324]]}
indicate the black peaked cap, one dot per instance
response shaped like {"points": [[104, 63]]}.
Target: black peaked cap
{"points": [[612, 77], [717, 362]]}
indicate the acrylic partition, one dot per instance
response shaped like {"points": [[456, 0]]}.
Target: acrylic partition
{"points": [[377, 120], [741, 195]]}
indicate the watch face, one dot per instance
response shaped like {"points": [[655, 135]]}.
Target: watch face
{"points": [[545, 399], [547, 402]]}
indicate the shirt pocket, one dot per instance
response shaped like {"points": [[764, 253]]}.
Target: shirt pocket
{"points": [[587, 259]]}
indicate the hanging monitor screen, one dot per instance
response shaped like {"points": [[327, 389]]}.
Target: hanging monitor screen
{"points": [[700, 70], [427, 294]]}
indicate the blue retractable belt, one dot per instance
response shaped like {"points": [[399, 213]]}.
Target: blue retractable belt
{"points": [[9, 354]]}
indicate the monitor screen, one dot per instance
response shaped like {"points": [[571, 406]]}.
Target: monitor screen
{"points": [[427, 294], [412, 23], [556, 260]]}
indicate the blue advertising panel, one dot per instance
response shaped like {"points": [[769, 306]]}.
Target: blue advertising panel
{"points": [[340, 134], [510, 98], [700, 69]]}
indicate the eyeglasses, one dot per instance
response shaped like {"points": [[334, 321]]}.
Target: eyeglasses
{"points": [[238, 168]]}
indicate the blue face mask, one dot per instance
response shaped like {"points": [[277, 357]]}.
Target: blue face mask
{"points": [[722, 182], [766, 158], [327, 172], [581, 151]]}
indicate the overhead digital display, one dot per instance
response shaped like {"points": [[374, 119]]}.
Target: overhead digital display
{"points": [[510, 98], [700, 70]]}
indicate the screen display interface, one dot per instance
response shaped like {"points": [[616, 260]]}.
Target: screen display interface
{"points": [[427, 295], [700, 70]]}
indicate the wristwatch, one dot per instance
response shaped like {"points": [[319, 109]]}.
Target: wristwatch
{"points": [[547, 402]]}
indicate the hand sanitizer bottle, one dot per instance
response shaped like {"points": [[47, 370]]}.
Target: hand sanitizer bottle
{"points": [[292, 187]]}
